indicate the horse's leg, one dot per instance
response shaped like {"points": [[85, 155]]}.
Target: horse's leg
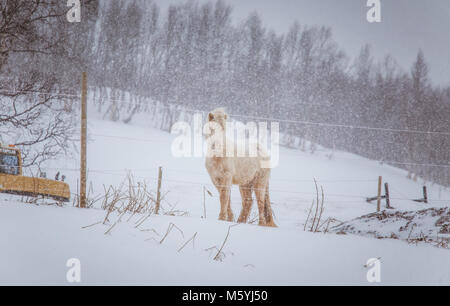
{"points": [[224, 199], [224, 187], [268, 210], [247, 202], [260, 192], [229, 211]]}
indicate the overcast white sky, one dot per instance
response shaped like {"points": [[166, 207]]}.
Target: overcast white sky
{"points": [[406, 26]]}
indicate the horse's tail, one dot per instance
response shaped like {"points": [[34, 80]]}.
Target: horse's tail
{"points": [[268, 214]]}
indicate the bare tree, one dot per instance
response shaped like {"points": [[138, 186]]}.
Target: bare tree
{"points": [[33, 114]]}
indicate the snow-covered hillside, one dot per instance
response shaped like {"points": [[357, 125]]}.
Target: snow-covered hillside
{"points": [[347, 179], [38, 240]]}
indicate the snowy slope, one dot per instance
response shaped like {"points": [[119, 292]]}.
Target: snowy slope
{"points": [[38, 240]]}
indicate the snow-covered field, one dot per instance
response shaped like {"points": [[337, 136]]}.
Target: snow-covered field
{"points": [[37, 241]]}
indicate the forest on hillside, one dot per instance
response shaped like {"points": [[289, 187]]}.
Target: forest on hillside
{"points": [[195, 56]]}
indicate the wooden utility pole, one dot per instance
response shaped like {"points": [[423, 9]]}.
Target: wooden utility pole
{"points": [[158, 194], [380, 181], [83, 140]]}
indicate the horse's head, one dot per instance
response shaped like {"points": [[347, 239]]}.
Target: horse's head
{"points": [[219, 116], [217, 121], [215, 132]]}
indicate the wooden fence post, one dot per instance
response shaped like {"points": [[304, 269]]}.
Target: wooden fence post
{"points": [[386, 192], [380, 181], [158, 194], [83, 140], [425, 195]]}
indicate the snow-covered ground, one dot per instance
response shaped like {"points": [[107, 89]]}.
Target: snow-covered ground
{"points": [[430, 225], [37, 241]]}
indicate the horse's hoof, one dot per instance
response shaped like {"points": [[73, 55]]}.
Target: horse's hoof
{"points": [[270, 224]]}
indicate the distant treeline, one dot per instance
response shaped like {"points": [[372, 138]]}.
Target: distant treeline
{"points": [[193, 55]]}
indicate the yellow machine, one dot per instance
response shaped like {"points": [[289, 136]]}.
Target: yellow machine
{"points": [[12, 181]]}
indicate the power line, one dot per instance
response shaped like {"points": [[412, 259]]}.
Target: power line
{"points": [[181, 108], [12, 92], [346, 126], [125, 138], [340, 158], [124, 171], [353, 196]]}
